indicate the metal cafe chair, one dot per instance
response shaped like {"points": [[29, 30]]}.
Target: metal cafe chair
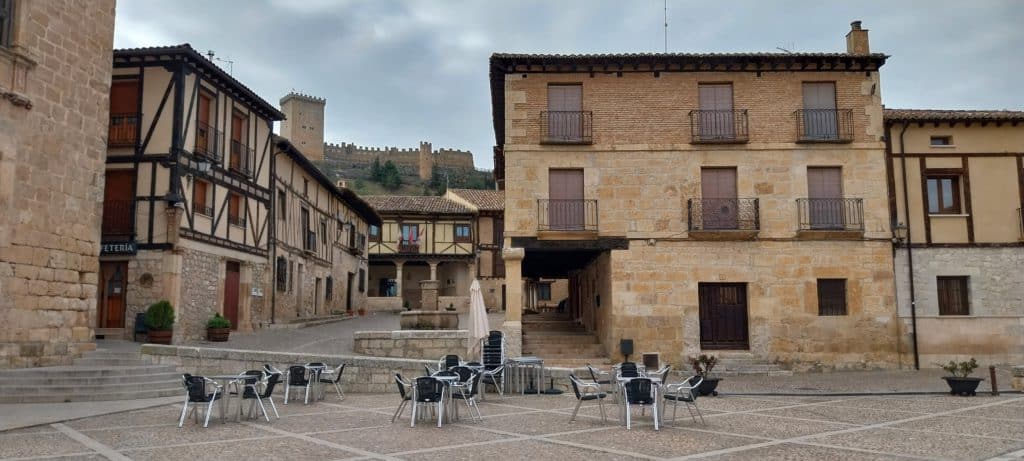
{"points": [[196, 395], [404, 393], [586, 392], [333, 377], [428, 391], [685, 392], [643, 393]]}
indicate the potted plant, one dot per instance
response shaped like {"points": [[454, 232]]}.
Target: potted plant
{"points": [[218, 328], [405, 305], [160, 322], [362, 311], [961, 383], [702, 366], [450, 308]]}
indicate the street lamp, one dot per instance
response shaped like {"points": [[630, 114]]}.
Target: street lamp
{"points": [[900, 233]]}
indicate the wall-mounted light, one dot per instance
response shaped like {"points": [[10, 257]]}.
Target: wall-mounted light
{"points": [[203, 167], [900, 233]]}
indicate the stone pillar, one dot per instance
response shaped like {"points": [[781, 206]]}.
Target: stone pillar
{"points": [[173, 223], [428, 297], [513, 325], [398, 278], [433, 270]]}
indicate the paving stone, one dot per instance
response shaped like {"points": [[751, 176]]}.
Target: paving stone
{"points": [[43, 444], [841, 414], [517, 449], [142, 437], [281, 448], [920, 443], [668, 442], [401, 437], [959, 424], [328, 422], [789, 451], [757, 425]]}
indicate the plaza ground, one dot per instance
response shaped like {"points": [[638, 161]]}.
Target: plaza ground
{"points": [[538, 427]]}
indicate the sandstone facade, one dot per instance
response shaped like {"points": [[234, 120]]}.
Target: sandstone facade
{"points": [[54, 80]]}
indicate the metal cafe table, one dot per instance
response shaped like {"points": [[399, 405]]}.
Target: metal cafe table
{"points": [[523, 371], [225, 381]]}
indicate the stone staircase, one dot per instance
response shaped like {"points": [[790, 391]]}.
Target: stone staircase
{"points": [[561, 342], [733, 363], [116, 373]]}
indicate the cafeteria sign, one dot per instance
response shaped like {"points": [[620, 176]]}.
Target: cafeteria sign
{"points": [[118, 248]]}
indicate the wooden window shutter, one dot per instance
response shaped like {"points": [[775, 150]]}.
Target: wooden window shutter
{"points": [[953, 296], [362, 280], [831, 297], [282, 274], [329, 288]]}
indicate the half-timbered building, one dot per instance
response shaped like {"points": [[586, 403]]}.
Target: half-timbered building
{"points": [[187, 195], [319, 241], [488, 227]]}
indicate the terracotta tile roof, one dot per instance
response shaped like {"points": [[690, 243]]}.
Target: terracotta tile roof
{"points": [[759, 55], [484, 200], [929, 115], [396, 204]]}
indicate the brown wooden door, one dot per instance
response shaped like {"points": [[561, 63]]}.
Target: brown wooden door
{"points": [[716, 118], [565, 204], [239, 150], [118, 200], [820, 120], [723, 315], [112, 293], [203, 135], [124, 113], [719, 205], [825, 197], [565, 118], [231, 282]]}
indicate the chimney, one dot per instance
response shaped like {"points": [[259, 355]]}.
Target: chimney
{"points": [[857, 40]]}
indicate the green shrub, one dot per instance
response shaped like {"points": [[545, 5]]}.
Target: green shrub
{"points": [[703, 364], [960, 369], [218, 321], [160, 316]]}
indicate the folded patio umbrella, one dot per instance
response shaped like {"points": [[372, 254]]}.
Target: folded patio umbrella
{"points": [[478, 324]]}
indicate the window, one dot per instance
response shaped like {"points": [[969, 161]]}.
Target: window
{"points": [[323, 231], [544, 291], [944, 194], [305, 187], [462, 233], [291, 274], [362, 280], [953, 298], [202, 198], [235, 216], [6, 22], [374, 233], [715, 116], [499, 265], [410, 233], [282, 205], [351, 235], [124, 112], [329, 288], [239, 160], [819, 116], [282, 274], [831, 297], [941, 140]]}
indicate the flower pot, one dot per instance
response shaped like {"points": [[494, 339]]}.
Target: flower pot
{"points": [[160, 336], [362, 312], [962, 386], [217, 334], [707, 387]]}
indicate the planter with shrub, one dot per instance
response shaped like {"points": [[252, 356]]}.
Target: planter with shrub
{"points": [[702, 366], [961, 382], [160, 322], [218, 328]]}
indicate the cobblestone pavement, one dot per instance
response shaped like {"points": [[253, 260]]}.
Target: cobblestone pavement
{"points": [[538, 427]]}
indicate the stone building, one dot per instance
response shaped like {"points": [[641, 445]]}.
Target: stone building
{"points": [[54, 77], [304, 123], [961, 176], [187, 198], [733, 203], [421, 239], [319, 241]]}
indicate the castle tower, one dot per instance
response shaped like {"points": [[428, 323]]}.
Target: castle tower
{"points": [[304, 123], [426, 161]]}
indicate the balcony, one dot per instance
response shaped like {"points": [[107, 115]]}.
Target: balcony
{"points": [[123, 130], [117, 219], [830, 217], [566, 127], [309, 243], [208, 142], [202, 209], [723, 218], [241, 155], [567, 215], [824, 125], [718, 126], [408, 246], [236, 220]]}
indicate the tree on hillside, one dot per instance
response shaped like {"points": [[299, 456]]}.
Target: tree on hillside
{"points": [[389, 176], [375, 170]]}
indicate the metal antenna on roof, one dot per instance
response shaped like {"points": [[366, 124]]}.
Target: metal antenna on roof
{"points": [[666, 25], [231, 64]]}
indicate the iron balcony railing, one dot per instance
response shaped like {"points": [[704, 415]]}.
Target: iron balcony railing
{"points": [[567, 215], [566, 127], [202, 208], [706, 214], [824, 125], [830, 214], [117, 218], [241, 155], [236, 220], [208, 142], [718, 126], [123, 130], [408, 246]]}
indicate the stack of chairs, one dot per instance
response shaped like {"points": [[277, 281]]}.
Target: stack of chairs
{"points": [[492, 351]]}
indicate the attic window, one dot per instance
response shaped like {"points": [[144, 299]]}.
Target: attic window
{"points": [[941, 141]]}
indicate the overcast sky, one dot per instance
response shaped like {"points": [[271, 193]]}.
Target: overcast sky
{"points": [[398, 72]]}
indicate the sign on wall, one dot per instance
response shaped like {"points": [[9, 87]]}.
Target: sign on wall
{"points": [[118, 248]]}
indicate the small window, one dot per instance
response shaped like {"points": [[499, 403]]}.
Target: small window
{"points": [[202, 198], [6, 22], [362, 280], [831, 297], [329, 288], [291, 275], [410, 233], [462, 233], [953, 299], [282, 205], [282, 274], [544, 292], [323, 231], [941, 140], [305, 188], [235, 216], [374, 233], [944, 194]]}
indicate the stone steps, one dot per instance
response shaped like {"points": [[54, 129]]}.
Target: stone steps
{"points": [[80, 379], [745, 363], [99, 397], [310, 322]]}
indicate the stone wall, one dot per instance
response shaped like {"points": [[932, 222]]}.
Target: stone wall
{"points": [[411, 344], [461, 303], [993, 332], [146, 285], [202, 276], [384, 304], [54, 93]]}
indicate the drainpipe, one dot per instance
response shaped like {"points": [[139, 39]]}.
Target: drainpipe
{"points": [[273, 232], [910, 251]]}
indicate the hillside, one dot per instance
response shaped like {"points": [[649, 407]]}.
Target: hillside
{"points": [[363, 182]]}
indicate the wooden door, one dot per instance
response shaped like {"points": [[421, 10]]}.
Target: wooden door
{"points": [[231, 282], [716, 117], [204, 137], [124, 113], [565, 200], [825, 197], [820, 120], [719, 206], [118, 200], [112, 293], [239, 150], [316, 296], [565, 117], [348, 291], [723, 315]]}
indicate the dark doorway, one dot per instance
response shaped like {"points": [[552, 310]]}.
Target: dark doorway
{"points": [[112, 293], [348, 291], [231, 280], [723, 315]]}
